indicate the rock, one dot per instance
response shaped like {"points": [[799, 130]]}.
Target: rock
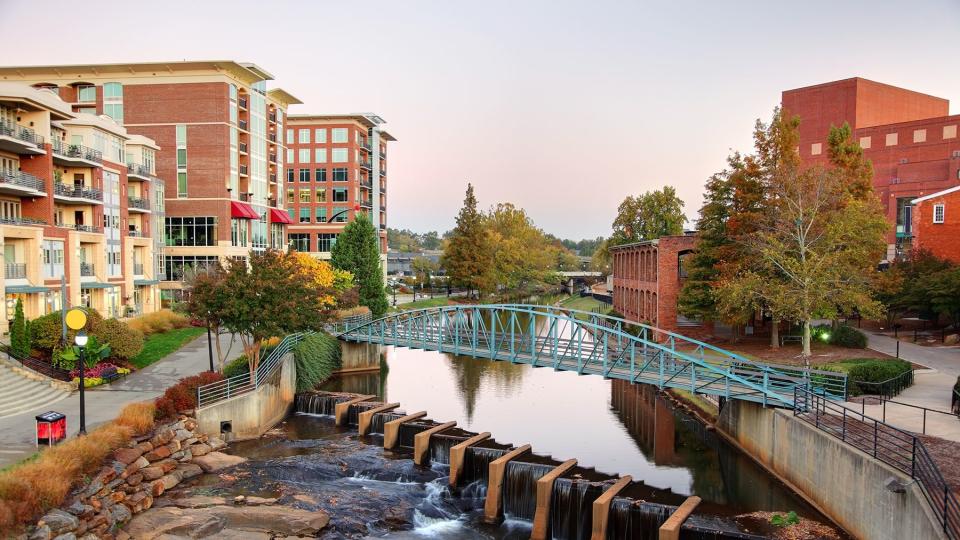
{"points": [[151, 473], [127, 455], [41, 532], [167, 465], [190, 424], [162, 437], [76, 508], [200, 449], [215, 461], [135, 479], [259, 501], [140, 463], [174, 446], [59, 521], [187, 456], [952, 339], [194, 501], [217, 443], [174, 522], [121, 535], [157, 454], [170, 481], [182, 435], [189, 470], [239, 499], [178, 455], [253, 522], [156, 488], [188, 442], [120, 514], [144, 447], [95, 485], [66, 536]]}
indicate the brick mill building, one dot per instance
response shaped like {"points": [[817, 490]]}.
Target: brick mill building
{"points": [[910, 138], [223, 155], [936, 223], [336, 166], [80, 201]]}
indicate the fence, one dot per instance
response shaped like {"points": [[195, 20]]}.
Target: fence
{"points": [[348, 323], [886, 389], [895, 447], [241, 384], [36, 364]]}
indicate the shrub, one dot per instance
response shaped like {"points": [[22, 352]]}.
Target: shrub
{"points": [[317, 356], [124, 342], [863, 371], [19, 334], [237, 366], [183, 395], [138, 417], [159, 321], [841, 336], [46, 330]]}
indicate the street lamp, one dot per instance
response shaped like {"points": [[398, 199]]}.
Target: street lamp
{"points": [[81, 341]]}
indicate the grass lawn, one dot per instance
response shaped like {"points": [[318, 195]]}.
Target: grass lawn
{"points": [[160, 345], [585, 303], [419, 304]]}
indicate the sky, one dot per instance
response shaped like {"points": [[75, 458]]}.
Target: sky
{"points": [[562, 108]]}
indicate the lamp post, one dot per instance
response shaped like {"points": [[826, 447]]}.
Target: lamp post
{"points": [[81, 341]]}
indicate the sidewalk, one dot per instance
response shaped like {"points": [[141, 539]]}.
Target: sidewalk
{"points": [[932, 388], [18, 432]]}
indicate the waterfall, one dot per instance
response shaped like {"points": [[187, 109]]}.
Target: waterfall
{"points": [[440, 446], [320, 404], [520, 488], [571, 508], [476, 464], [379, 419], [408, 431], [635, 519]]}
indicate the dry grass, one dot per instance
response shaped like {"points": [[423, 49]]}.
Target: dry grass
{"points": [[29, 489], [158, 321], [351, 312]]}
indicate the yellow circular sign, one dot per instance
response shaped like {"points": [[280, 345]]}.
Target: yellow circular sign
{"points": [[76, 319]]}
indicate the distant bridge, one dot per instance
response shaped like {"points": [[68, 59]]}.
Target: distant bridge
{"points": [[590, 343]]}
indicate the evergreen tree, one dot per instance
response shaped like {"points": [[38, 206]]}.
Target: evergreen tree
{"points": [[847, 157], [358, 251], [19, 335], [467, 254]]}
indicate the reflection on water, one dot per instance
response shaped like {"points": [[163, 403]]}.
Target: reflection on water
{"points": [[612, 426]]}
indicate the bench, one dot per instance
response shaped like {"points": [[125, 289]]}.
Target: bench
{"points": [[786, 338]]}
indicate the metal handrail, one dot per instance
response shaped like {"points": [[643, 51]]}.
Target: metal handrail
{"points": [[36, 364], [138, 202], [87, 269], [20, 132], [76, 151], [20, 178], [884, 386], [209, 394], [78, 191], [891, 445], [139, 169]]}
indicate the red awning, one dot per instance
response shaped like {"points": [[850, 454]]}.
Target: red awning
{"points": [[279, 216], [242, 211]]}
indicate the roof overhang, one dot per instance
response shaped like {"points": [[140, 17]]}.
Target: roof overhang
{"points": [[35, 99], [245, 70], [935, 195], [366, 119], [284, 97]]}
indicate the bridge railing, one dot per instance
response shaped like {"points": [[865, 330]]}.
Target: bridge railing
{"points": [[209, 394], [895, 447]]}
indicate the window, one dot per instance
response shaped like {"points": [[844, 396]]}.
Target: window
{"points": [[289, 155], [321, 194], [299, 241], [321, 214], [181, 184], [191, 231], [304, 215], [304, 155], [181, 134], [892, 139], [950, 132], [919, 135], [304, 196], [259, 236], [238, 232], [340, 195], [321, 175], [326, 241], [86, 94], [816, 149], [938, 213], [10, 210], [289, 135], [114, 110], [276, 236], [175, 266], [289, 196], [865, 142], [52, 259], [340, 175], [341, 213], [232, 89], [338, 155], [904, 217], [303, 136], [320, 135], [304, 175], [181, 130], [339, 135], [320, 155]]}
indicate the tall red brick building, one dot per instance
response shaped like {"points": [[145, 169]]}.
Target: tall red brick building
{"points": [[910, 138]]}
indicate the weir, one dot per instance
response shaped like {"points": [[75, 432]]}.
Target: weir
{"points": [[559, 499]]}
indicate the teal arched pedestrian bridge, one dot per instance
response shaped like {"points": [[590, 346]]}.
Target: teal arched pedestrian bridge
{"points": [[593, 344]]}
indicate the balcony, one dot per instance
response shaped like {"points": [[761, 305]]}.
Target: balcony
{"points": [[383, 171], [138, 269], [87, 270], [136, 233], [242, 102], [243, 125], [136, 171], [273, 178], [272, 117], [366, 183], [243, 148], [365, 164], [366, 204], [137, 204], [21, 183], [365, 146], [76, 154], [77, 194], [383, 208], [245, 197], [273, 158], [16, 270], [272, 137], [243, 170], [22, 221], [82, 228], [20, 140]]}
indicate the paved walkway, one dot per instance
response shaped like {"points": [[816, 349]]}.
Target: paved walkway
{"points": [[18, 432], [932, 388]]}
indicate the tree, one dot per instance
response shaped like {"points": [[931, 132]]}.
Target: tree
{"points": [[466, 255], [207, 301], [600, 260], [847, 157], [521, 255], [19, 334], [648, 216], [358, 251], [278, 294], [423, 268]]}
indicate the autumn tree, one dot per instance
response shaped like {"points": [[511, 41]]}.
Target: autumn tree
{"points": [[423, 268], [206, 301], [648, 216], [466, 255], [521, 254], [358, 251]]}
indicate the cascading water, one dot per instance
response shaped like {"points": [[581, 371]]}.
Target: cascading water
{"points": [[379, 419], [520, 488], [476, 463], [440, 446], [316, 403], [571, 512], [635, 519], [409, 431]]}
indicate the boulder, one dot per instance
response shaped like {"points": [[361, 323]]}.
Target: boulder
{"points": [[167, 465], [215, 461], [186, 456], [135, 479], [151, 473], [182, 435], [127, 455], [41, 532], [200, 449], [140, 463], [216, 443], [189, 470], [66, 536], [120, 514], [162, 437], [227, 522], [952, 339], [156, 488], [157, 454], [144, 447], [59, 521], [170, 481]]}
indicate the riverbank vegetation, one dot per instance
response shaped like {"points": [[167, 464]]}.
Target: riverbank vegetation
{"points": [[357, 251], [316, 357], [886, 377]]}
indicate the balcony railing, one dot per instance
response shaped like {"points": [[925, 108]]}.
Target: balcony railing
{"points": [[137, 202], [243, 125], [23, 179], [383, 208], [243, 170], [135, 233], [78, 191], [272, 137], [366, 204], [245, 197], [366, 183], [16, 270], [21, 221], [17, 131], [365, 146], [242, 102], [365, 164], [383, 171], [87, 269], [273, 178], [273, 158], [243, 148], [138, 269], [139, 170], [273, 117], [77, 151], [84, 228]]}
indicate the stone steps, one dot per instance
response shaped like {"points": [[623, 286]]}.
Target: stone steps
{"points": [[22, 393]]}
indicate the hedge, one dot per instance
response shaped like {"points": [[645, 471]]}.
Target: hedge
{"points": [[125, 343], [841, 336], [871, 370], [183, 395], [317, 356]]}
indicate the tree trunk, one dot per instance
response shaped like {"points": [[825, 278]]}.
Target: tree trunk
{"points": [[216, 332], [774, 334], [806, 343]]}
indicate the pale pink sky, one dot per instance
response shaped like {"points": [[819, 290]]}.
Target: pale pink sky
{"points": [[563, 108]]}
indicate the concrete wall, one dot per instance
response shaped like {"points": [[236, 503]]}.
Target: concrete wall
{"points": [[253, 413], [841, 481], [359, 357]]}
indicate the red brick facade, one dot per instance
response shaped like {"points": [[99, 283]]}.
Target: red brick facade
{"points": [[936, 224]]}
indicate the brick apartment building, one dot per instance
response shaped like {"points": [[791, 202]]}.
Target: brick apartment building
{"points": [[79, 200], [336, 166], [910, 138], [647, 278]]}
